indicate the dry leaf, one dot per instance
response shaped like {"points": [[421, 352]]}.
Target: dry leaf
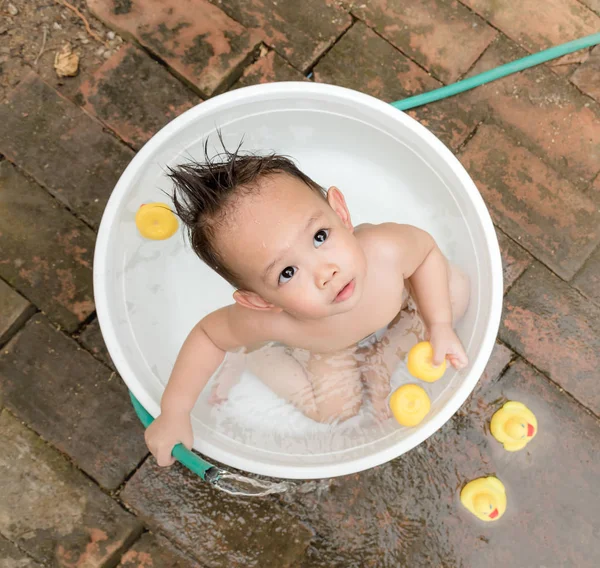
{"points": [[66, 62]]}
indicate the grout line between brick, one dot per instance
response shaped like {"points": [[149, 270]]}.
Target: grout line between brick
{"points": [[560, 388], [108, 492], [409, 57], [311, 66], [546, 65], [460, 148], [60, 203], [23, 551]]}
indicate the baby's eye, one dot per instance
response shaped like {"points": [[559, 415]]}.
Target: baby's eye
{"points": [[286, 274], [320, 237]]}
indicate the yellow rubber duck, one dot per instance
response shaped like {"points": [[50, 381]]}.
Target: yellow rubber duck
{"points": [[409, 404], [156, 221], [420, 363], [485, 497], [514, 425]]}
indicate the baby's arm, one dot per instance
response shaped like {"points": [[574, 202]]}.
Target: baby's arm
{"points": [[424, 265], [201, 354]]}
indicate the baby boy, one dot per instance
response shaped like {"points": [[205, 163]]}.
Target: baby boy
{"points": [[306, 279]]}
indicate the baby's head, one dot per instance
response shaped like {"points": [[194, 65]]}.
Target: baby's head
{"points": [[272, 232]]}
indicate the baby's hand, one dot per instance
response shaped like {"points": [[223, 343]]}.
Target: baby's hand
{"points": [[165, 432], [446, 345]]}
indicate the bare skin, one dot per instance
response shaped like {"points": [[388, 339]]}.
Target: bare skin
{"points": [[314, 283]]}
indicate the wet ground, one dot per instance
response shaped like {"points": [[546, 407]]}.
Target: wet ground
{"points": [[78, 486]]}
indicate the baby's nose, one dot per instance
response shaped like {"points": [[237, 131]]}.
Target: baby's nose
{"points": [[325, 274]]}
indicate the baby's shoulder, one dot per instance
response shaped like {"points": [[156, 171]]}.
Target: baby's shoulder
{"points": [[385, 239], [255, 327]]}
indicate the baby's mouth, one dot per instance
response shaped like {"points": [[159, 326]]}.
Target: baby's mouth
{"points": [[346, 292]]}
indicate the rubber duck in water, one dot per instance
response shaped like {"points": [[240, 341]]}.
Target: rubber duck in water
{"points": [[409, 404], [156, 221], [514, 425], [420, 363], [485, 497]]}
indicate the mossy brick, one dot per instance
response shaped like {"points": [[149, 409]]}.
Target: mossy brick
{"points": [[407, 512], [269, 68], [363, 61], [216, 528], [587, 76], [12, 557], [197, 40], [587, 280], [91, 338], [558, 330], [51, 510], [46, 252], [544, 213], [134, 95], [299, 31], [73, 401], [545, 113], [538, 25], [151, 552], [515, 259], [61, 147], [443, 37], [14, 311]]}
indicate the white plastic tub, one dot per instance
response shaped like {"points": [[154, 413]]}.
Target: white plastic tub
{"points": [[149, 294]]}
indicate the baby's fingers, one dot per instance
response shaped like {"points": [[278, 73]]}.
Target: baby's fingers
{"points": [[439, 354], [164, 457], [458, 360]]}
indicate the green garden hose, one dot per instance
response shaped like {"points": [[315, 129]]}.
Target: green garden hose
{"points": [[215, 475], [498, 72]]}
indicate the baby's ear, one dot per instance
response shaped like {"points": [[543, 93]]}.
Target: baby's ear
{"points": [[253, 301], [337, 202]]}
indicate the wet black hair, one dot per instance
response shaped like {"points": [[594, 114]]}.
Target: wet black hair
{"points": [[204, 193]]}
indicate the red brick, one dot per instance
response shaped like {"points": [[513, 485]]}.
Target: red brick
{"points": [[587, 280], [444, 37], [62, 147], [14, 310], [12, 557], [587, 76], [567, 64], [269, 69], [535, 25], [148, 553], [197, 40], [47, 253], [407, 512], [557, 330], [134, 95], [515, 260], [216, 528], [51, 510], [91, 339], [73, 401], [547, 215], [363, 61], [449, 119], [299, 31], [549, 116]]}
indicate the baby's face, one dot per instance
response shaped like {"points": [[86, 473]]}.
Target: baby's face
{"points": [[295, 250]]}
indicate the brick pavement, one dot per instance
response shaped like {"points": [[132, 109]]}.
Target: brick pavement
{"points": [[77, 485]]}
